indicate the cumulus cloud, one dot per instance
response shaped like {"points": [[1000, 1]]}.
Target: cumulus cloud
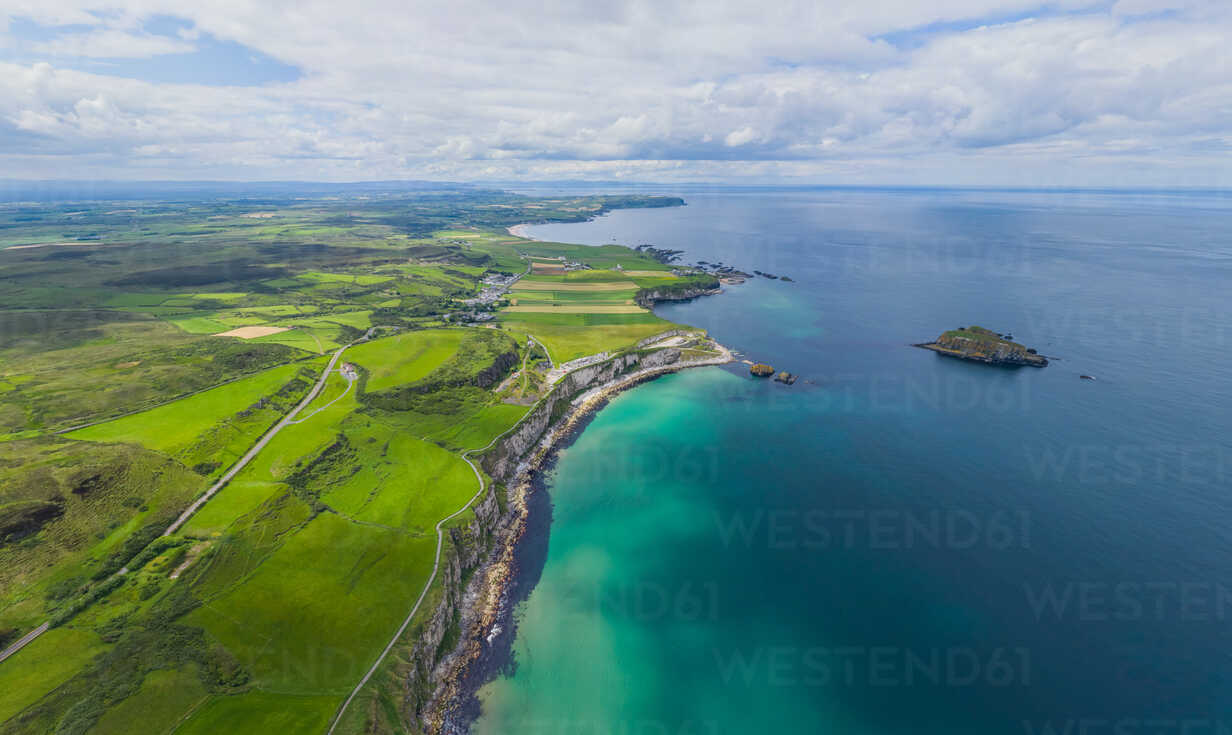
{"points": [[963, 90]]}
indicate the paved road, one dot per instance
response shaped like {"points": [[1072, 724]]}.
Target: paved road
{"points": [[222, 481], [21, 643], [256, 448]]}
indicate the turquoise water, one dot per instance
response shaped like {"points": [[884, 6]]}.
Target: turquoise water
{"points": [[904, 543]]}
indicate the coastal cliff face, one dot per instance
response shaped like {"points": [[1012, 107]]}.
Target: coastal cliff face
{"points": [[690, 289], [502, 461], [477, 556]]}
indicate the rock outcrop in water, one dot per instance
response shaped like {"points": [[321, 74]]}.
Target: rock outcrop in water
{"points": [[984, 345], [761, 370]]}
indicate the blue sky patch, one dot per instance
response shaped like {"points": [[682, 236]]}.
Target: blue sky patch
{"points": [[212, 61]]}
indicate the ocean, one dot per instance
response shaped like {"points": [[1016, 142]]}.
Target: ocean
{"points": [[902, 542]]}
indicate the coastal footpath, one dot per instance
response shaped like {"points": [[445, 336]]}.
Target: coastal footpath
{"points": [[437, 656]]}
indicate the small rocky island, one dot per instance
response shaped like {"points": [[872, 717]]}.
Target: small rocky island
{"points": [[761, 370], [984, 345]]}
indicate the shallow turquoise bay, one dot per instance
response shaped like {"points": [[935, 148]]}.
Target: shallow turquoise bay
{"points": [[903, 543]]}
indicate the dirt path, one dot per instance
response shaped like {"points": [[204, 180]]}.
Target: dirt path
{"points": [[436, 565], [723, 356]]}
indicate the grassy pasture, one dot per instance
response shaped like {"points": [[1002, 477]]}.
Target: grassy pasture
{"points": [[596, 256], [261, 713], [571, 335], [537, 284], [405, 357], [571, 297], [43, 665], [177, 425], [317, 549], [161, 702], [314, 627], [665, 273], [314, 339], [576, 308], [201, 324], [66, 507]]}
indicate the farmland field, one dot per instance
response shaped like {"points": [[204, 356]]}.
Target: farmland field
{"points": [[536, 284], [576, 309], [139, 365], [404, 358], [177, 425]]}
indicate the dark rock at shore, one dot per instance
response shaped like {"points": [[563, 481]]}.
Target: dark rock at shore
{"points": [[663, 255]]}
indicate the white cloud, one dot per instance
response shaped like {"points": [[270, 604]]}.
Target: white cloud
{"points": [[740, 137], [112, 44], [672, 89]]}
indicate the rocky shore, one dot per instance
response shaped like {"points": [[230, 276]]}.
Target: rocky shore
{"points": [[438, 680]]}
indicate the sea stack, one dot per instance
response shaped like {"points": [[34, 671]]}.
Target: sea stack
{"points": [[761, 370]]}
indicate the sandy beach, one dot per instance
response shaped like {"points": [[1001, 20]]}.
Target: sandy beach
{"points": [[520, 231]]}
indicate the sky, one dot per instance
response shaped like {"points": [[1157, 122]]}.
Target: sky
{"points": [[863, 92]]}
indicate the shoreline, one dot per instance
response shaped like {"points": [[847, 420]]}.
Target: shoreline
{"points": [[520, 231], [484, 649]]}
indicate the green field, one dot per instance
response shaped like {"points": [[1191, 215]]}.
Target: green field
{"points": [[177, 425], [160, 705], [404, 358], [265, 609], [44, 665], [261, 712]]}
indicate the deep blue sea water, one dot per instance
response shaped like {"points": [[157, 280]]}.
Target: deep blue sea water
{"points": [[901, 542]]}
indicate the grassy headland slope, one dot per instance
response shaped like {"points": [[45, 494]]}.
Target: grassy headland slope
{"points": [[265, 609]]}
